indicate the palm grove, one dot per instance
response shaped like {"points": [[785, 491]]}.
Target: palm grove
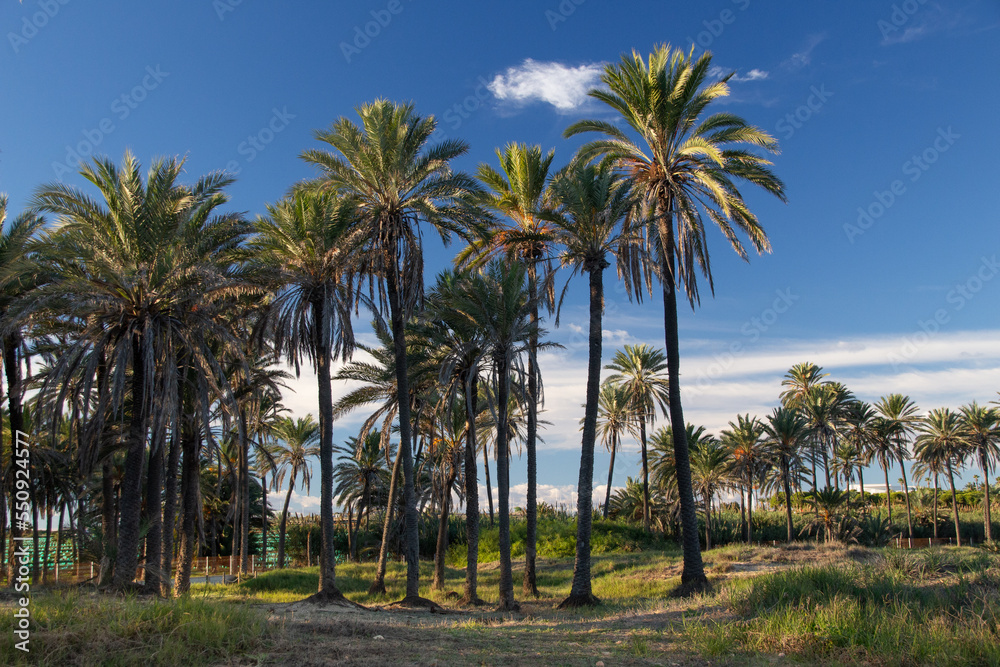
{"points": [[143, 326]]}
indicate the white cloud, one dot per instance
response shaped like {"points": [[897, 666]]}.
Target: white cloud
{"points": [[563, 496], [752, 75], [562, 86]]}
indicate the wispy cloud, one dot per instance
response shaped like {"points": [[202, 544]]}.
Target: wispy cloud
{"points": [[562, 86], [803, 57]]}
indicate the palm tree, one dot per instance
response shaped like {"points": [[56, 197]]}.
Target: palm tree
{"points": [[592, 202], [146, 272], [899, 413], [982, 426], [686, 167], [297, 443], [614, 417], [459, 344], [823, 407], [787, 431], [860, 433], [517, 193], [711, 471], [16, 277], [498, 302], [942, 439], [640, 368], [800, 380], [306, 248], [399, 181], [751, 454]]}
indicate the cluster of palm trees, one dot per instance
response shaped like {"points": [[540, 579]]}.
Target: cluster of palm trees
{"points": [[150, 323], [820, 436]]}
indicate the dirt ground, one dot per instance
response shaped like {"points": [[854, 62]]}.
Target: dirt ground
{"points": [[308, 634]]}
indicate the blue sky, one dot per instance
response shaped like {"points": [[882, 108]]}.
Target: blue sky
{"points": [[885, 256]]}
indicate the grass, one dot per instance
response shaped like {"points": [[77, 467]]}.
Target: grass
{"points": [[814, 604], [76, 628]]}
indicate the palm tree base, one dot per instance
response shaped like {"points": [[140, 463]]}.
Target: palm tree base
{"points": [[512, 606], [477, 602], [574, 601], [332, 597], [417, 602], [377, 588], [694, 587]]}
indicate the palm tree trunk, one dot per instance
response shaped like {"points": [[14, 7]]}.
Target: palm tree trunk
{"points": [[611, 474], [645, 474], [693, 574], [581, 593], [906, 494], [328, 557], [130, 504], [411, 538], [244, 440], [109, 527], [283, 526], [507, 602], [489, 487], [190, 484], [154, 519], [263, 521], [788, 496], [169, 514], [888, 492], [471, 595], [984, 465], [749, 512], [530, 586], [935, 505], [708, 521], [378, 586], [442, 539], [954, 505], [861, 486]]}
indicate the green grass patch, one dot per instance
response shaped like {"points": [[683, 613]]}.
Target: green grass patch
{"points": [[933, 607], [73, 628]]}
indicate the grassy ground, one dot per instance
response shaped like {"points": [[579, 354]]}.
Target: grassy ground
{"points": [[797, 605]]}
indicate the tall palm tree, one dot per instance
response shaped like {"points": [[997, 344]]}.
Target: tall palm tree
{"points": [[899, 413], [147, 271], [751, 454], [399, 181], [823, 407], [498, 302], [686, 167], [592, 203], [460, 348], [800, 380], [306, 248], [517, 193], [941, 437], [614, 418], [860, 433], [641, 369], [787, 431], [297, 443], [711, 471], [982, 426]]}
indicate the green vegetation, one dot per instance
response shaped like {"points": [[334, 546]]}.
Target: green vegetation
{"points": [[77, 628]]}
